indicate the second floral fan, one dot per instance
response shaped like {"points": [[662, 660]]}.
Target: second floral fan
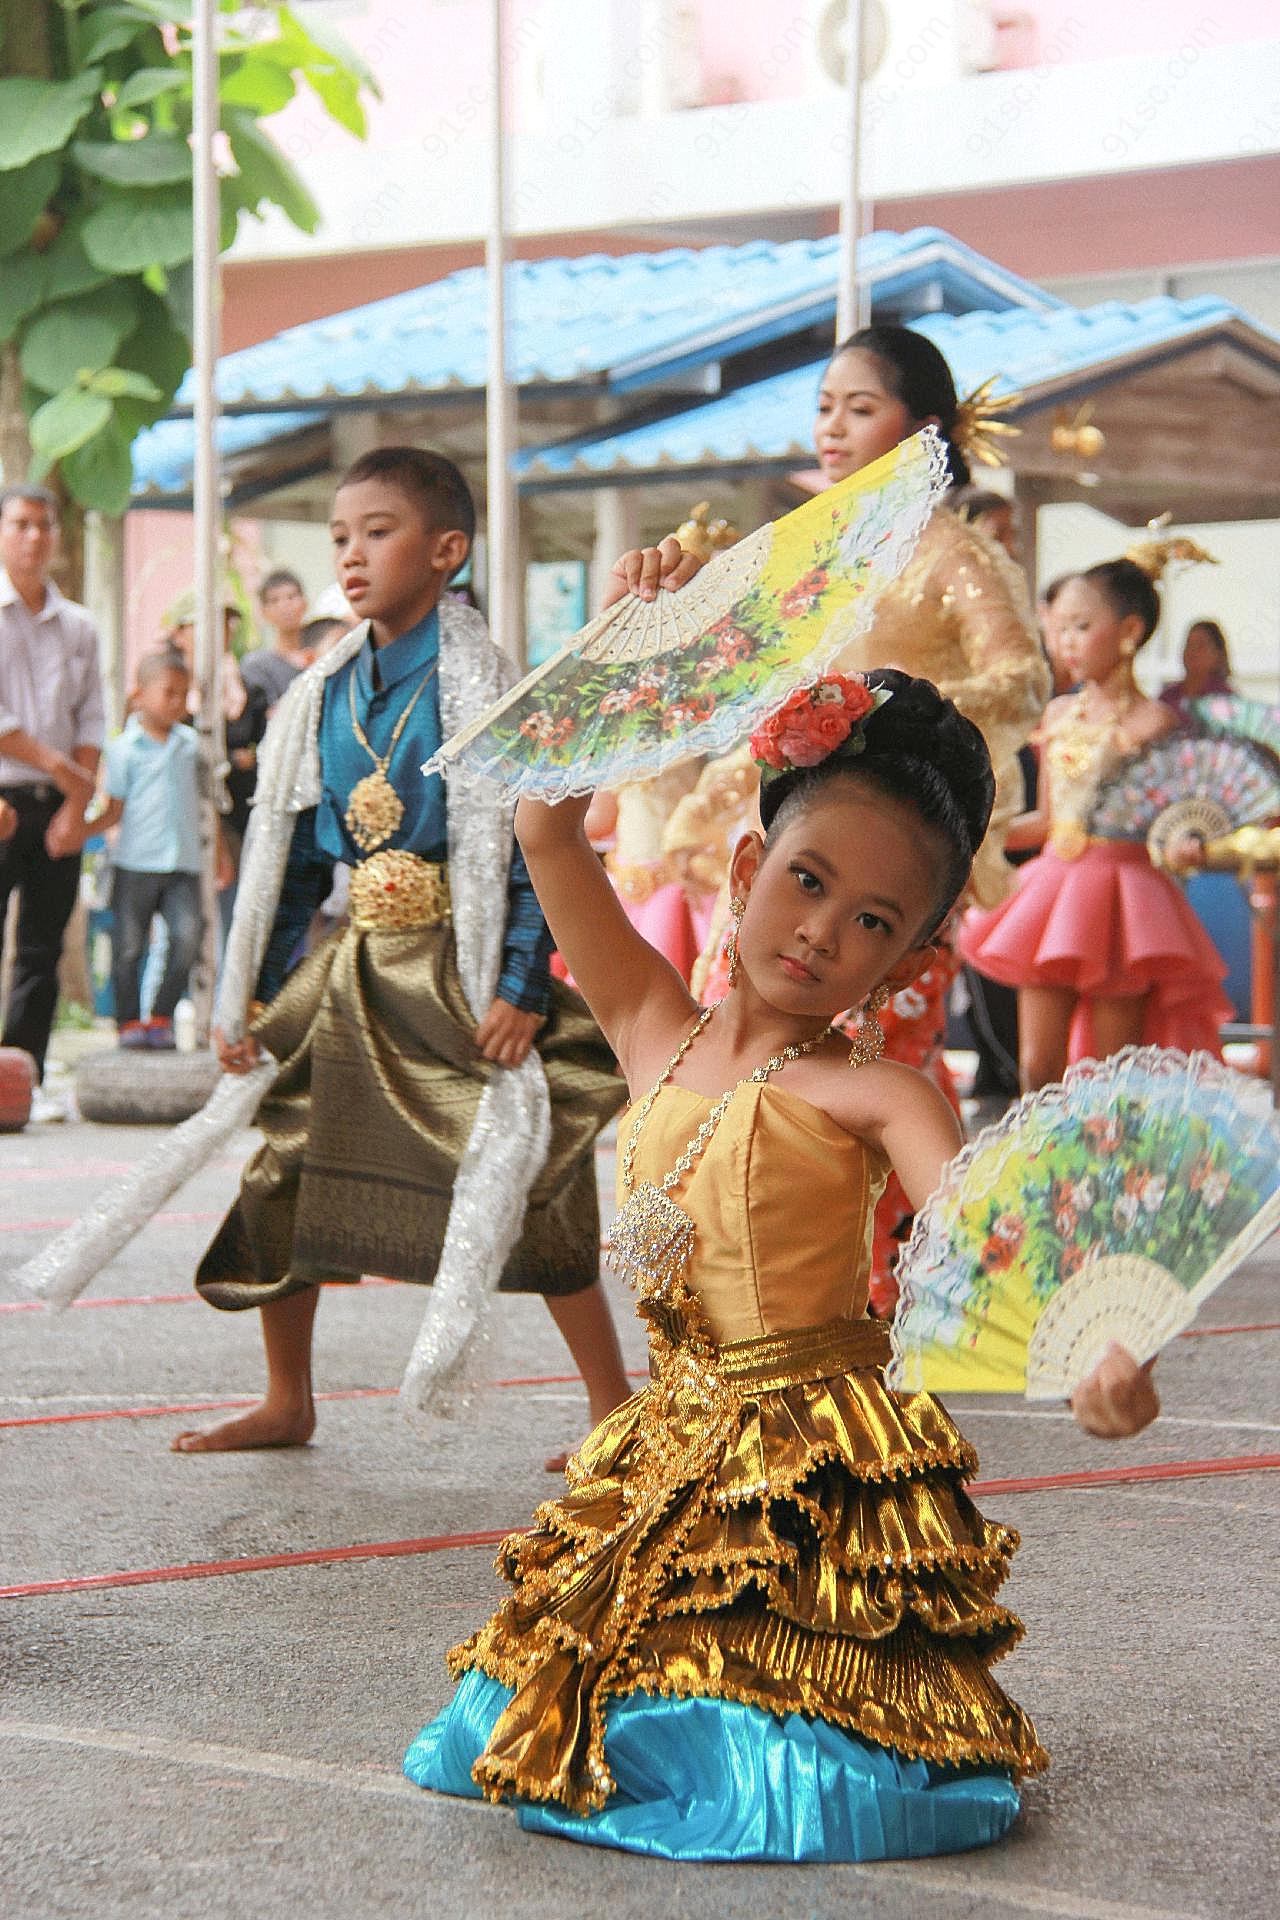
{"points": [[650, 683]]}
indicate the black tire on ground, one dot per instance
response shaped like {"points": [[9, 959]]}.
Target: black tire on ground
{"points": [[123, 1088]]}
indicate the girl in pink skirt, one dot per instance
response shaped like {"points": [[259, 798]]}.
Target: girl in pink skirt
{"points": [[1103, 948]]}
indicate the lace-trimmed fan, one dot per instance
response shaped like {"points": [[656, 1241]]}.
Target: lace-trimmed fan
{"points": [[1187, 785], [1107, 1207], [1225, 715], [652, 682]]}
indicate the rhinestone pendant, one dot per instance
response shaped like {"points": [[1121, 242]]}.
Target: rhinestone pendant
{"points": [[651, 1240], [374, 811]]}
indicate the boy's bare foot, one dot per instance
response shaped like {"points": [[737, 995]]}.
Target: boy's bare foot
{"points": [[262, 1426]]}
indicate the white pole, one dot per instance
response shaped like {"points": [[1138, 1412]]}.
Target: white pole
{"points": [[503, 529], [206, 496], [852, 311]]}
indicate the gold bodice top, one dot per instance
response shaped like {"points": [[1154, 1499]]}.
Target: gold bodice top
{"points": [[781, 1200], [1080, 755]]}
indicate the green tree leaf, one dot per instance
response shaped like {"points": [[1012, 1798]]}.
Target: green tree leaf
{"points": [[67, 421], [325, 47], [157, 160], [265, 174], [68, 268], [118, 383], [127, 234], [40, 116], [104, 30], [78, 335], [160, 351], [22, 280], [24, 195], [100, 473], [149, 83], [258, 87]]}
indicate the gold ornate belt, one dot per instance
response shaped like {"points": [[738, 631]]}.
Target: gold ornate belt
{"points": [[779, 1360], [394, 891], [1069, 839]]}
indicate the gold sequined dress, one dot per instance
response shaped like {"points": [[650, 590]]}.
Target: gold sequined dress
{"points": [[766, 1569]]}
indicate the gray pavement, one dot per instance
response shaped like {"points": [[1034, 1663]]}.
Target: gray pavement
{"points": [[229, 1746]]}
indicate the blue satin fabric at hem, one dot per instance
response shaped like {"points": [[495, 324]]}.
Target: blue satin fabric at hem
{"points": [[714, 1780]]}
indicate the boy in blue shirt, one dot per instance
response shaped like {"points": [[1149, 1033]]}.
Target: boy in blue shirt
{"points": [[438, 1097], [153, 789]]}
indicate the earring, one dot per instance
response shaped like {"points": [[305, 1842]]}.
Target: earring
{"points": [[868, 1042], [736, 908]]}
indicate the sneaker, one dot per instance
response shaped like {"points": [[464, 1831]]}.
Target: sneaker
{"points": [[47, 1106], [159, 1035], [132, 1034]]}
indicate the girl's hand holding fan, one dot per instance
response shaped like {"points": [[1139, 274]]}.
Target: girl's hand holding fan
{"points": [[1101, 1211]]}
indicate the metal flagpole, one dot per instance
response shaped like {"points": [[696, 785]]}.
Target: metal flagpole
{"points": [[853, 307], [502, 506], [206, 493]]}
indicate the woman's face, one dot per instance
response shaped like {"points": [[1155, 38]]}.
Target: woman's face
{"points": [[1201, 659], [858, 417]]}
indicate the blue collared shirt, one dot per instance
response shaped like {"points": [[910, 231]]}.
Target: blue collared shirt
{"points": [[159, 782], [322, 837]]}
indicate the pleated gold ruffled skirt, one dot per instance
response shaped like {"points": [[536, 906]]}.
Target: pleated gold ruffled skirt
{"points": [[765, 1523]]}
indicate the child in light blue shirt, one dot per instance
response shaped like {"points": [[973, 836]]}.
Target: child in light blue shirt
{"points": [[153, 788]]}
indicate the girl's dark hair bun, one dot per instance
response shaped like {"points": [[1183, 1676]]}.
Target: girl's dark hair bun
{"points": [[918, 748]]}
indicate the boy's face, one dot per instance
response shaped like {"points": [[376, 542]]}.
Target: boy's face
{"points": [[163, 700], [391, 564], [284, 607]]}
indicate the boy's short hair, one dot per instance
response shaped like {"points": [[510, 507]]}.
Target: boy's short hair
{"points": [[160, 660], [281, 577], [428, 479], [316, 633]]}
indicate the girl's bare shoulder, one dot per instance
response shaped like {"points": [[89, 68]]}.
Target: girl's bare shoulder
{"points": [[864, 1100]]}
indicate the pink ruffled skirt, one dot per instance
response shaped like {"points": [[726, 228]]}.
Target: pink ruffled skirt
{"points": [[1107, 926]]}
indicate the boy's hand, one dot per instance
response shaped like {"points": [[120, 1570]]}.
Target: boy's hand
{"points": [[8, 820], [505, 1035], [1118, 1398], [643, 570], [236, 1056]]}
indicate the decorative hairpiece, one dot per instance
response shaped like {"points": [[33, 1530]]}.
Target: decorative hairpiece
{"points": [[828, 716], [703, 536], [1154, 557], [979, 424]]}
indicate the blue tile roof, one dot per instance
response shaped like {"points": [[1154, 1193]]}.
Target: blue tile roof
{"points": [[616, 321], [769, 422], [163, 455]]}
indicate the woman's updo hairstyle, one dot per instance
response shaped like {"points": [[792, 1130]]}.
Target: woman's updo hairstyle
{"points": [[1127, 589], [919, 749], [917, 374]]}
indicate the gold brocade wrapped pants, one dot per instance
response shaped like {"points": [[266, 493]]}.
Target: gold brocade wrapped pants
{"points": [[767, 1523], [378, 1088]]}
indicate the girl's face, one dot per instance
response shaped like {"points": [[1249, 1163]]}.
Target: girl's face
{"points": [[1094, 638], [840, 903], [858, 417]]}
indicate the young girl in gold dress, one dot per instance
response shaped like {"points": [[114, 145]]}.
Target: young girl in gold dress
{"points": [[761, 1622]]}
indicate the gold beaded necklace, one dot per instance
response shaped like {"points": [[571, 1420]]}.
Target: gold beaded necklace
{"points": [[651, 1241], [374, 808]]}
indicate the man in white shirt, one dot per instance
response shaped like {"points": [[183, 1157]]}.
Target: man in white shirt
{"points": [[51, 728]]}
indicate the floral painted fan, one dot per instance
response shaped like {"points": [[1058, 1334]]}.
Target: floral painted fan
{"points": [[1227, 715], [652, 682], [1107, 1207], [1187, 785]]}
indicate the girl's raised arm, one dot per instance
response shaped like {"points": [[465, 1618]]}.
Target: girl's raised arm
{"points": [[621, 976]]}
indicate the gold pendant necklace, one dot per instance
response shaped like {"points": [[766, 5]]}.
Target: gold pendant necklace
{"points": [[651, 1240], [374, 808]]}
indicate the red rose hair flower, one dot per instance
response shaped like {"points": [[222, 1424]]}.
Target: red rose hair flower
{"points": [[814, 722]]}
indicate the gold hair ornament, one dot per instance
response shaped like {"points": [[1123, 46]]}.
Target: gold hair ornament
{"points": [[1156, 556], [701, 535], [979, 425]]}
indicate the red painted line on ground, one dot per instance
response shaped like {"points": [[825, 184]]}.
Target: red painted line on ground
{"points": [[445, 1542], [189, 1406], [261, 1563], [1132, 1476], [1208, 1333], [52, 1226]]}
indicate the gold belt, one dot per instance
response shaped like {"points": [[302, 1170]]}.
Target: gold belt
{"points": [[778, 1360], [1069, 839], [393, 891]]}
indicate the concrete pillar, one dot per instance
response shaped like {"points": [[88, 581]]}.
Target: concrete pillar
{"points": [[617, 527]]}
